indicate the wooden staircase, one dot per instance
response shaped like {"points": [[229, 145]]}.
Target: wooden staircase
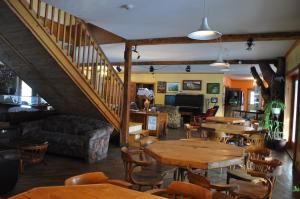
{"points": [[56, 55]]}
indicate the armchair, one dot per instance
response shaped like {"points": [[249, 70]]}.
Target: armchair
{"points": [[9, 170]]}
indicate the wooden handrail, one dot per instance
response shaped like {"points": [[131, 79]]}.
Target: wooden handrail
{"points": [[72, 36]]}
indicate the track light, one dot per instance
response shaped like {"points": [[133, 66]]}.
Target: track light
{"points": [[250, 44], [188, 68], [151, 69], [119, 69], [137, 52]]}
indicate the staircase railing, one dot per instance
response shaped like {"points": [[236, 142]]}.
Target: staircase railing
{"points": [[73, 37]]}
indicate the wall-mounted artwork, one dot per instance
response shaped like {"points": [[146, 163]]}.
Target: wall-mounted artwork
{"points": [[161, 87], [192, 85], [213, 88], [172, 86]]}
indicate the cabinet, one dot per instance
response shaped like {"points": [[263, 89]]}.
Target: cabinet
{"points": [[155, 122]]}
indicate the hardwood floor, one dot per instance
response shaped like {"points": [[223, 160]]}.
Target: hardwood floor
{"points": [[58, 168]]}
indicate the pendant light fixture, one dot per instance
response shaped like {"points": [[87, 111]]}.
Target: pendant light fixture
{"points": [[205, 32], [220, 62]]}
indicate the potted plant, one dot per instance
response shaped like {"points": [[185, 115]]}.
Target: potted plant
{"points": [[273, 122]]}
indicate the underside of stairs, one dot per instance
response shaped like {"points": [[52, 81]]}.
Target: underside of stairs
{"points": [[37, 58]]}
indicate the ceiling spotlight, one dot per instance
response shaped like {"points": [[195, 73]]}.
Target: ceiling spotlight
{"points": [[151, 69], [188, 68], [250, 44], [119, 69], [127, 6], [134, 49]]}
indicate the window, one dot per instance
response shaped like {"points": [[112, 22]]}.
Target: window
{"points": [[26, 93]]}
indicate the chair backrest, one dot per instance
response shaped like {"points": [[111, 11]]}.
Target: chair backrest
{"points": [[35, 153], [258, 139], [198, 179], [220, 137], [258, 153], [267, 167], [188, 130], [215, 110], [87, 178], [184, 190]]}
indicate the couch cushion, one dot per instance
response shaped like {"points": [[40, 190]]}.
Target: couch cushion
{"points": [[72, 124]]}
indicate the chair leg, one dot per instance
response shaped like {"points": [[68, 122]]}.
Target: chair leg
{"points": [[21, 166], [175, 174], [228, 178]]}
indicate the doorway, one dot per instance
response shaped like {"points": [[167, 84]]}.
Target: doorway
{"points": [[294, 116]]}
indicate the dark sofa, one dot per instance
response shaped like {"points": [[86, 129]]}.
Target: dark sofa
{"points": [[71, 135]]}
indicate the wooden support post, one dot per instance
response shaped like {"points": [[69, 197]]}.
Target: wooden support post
{"points": [[126, 102]]}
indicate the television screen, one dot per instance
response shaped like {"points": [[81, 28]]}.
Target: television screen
{"points": [[189, 100], [170, 100]]}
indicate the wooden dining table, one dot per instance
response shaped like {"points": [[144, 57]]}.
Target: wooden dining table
{"points": [[228, 128], [95, 191], [195, 153], [226, 120], [239, 131]]}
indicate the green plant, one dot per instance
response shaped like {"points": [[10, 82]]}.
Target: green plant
{"points": [[273, 122]]}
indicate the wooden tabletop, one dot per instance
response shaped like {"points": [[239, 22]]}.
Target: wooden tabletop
{"points": [[226, 120], [96, 191], [229, 128], [195, 153]]}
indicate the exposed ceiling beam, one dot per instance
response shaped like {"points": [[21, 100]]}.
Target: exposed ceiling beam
{"points": [[276, 36], [196, 62]]}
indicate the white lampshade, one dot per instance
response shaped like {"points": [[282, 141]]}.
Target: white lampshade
{"points": [[205, 32], [220, 63]]}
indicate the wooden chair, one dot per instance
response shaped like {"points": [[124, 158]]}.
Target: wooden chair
{"points": [[253, 153], [257, 140], [254, 190], [189, 130], [95, 178], [220, 137], [182, 190], [139, 170], [202, 181], [264, 173], [32, 154]]}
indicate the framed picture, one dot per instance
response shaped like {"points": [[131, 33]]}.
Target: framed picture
{"points": [[213, 88], [192, 85], [161, 87], [172, 86], [152, 120]]}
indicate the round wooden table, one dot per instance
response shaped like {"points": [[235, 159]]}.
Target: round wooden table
{"points": [[92, 191], [195, 153]]}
